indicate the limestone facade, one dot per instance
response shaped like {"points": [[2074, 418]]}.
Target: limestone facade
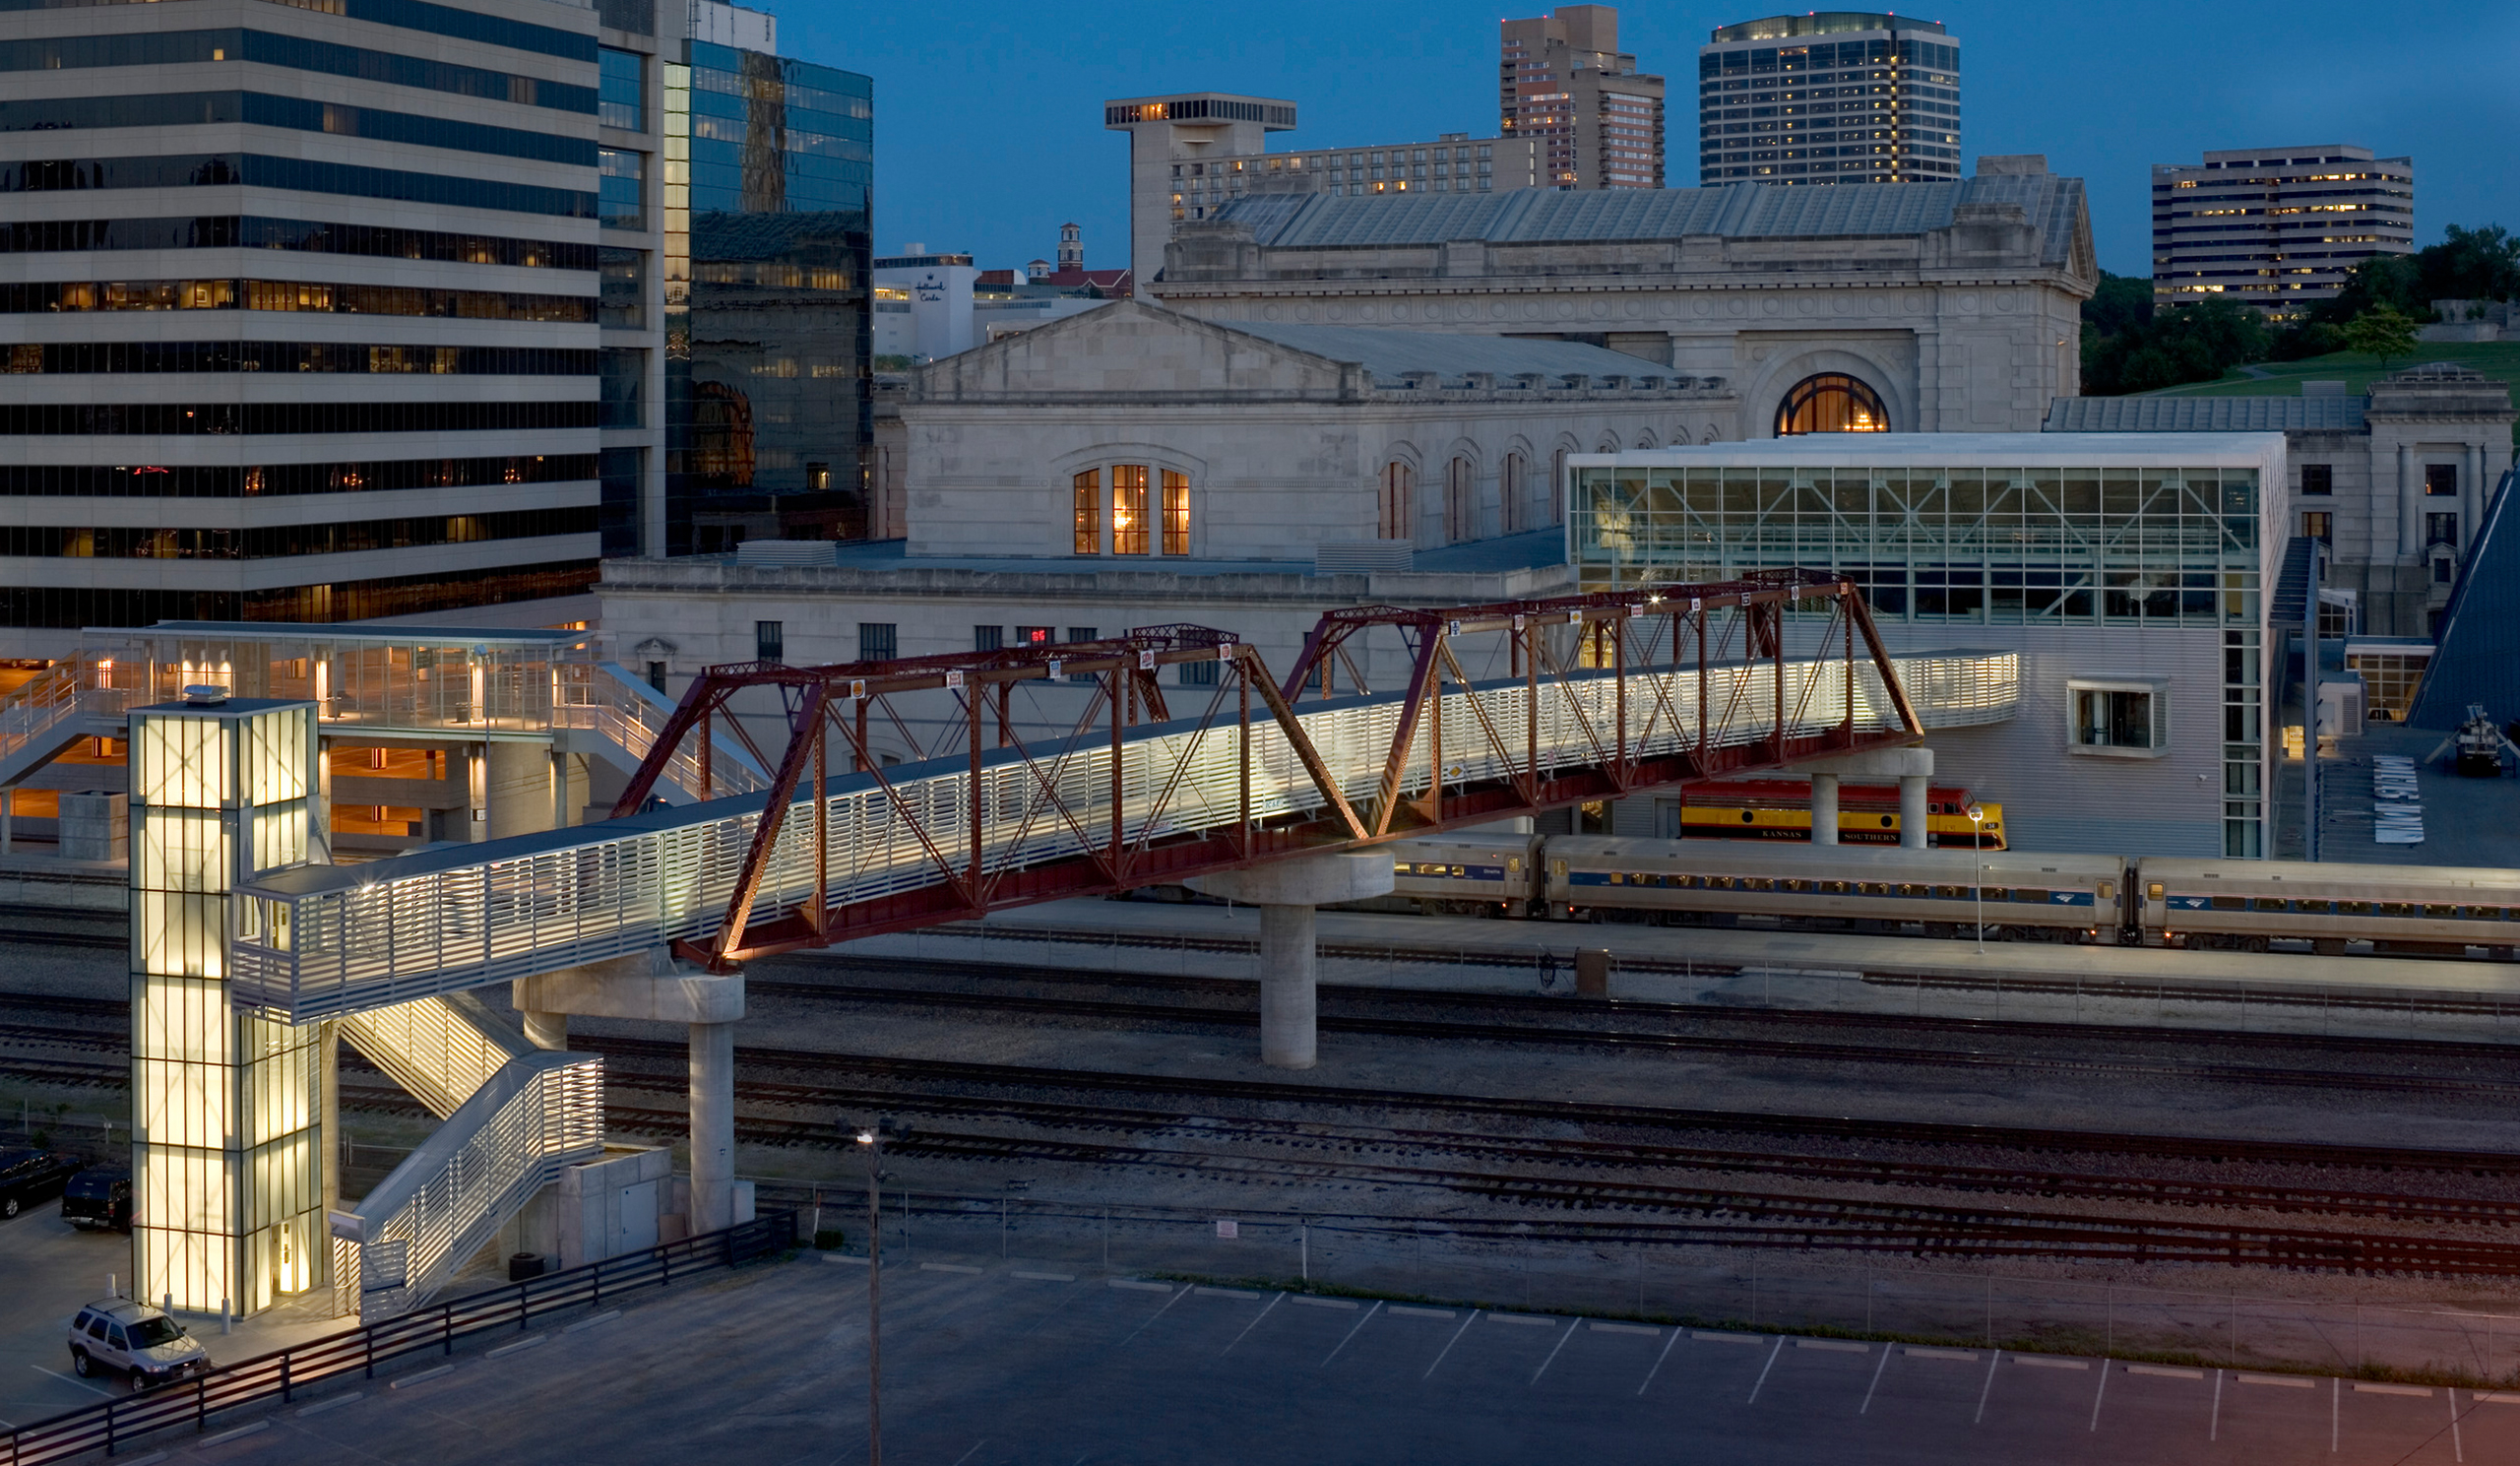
{"points": [[1958, 305]]}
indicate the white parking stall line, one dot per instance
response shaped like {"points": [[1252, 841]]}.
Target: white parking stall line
{"points": [[2283, 1382], [1562, 1337], [1309, 1300], [66, 1380], [2099, 1395], [1866, 1406], [2458, 1448], [1988, 1389], [223, 1436], [406, 1381], [2214, 1427], [1351, 1333], [1658, 1361], [1151, 1318], [1763, 1372], [1449, 1343], [1254, 1323]]}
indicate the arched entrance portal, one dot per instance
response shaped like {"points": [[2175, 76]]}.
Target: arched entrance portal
{"points": [[1831, 402]]}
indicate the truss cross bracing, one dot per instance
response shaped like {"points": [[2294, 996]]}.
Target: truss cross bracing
{"points": [[1611, 694]]}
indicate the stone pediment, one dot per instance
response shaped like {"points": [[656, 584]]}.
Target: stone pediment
{"points": [[1130, 351]]}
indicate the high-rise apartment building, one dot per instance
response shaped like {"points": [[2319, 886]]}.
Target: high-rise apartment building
{"points": [[1563, 84], [1832, 96], [2277, 227], [301, 310], [1173, 139]]}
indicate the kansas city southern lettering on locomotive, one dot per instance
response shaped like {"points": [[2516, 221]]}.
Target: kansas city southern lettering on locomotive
{"points": [[2026, 896]]}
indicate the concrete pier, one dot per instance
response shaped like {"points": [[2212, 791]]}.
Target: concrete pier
{"points": [[1287, 891], [655, 987], [1912, 766], [1824, 810]]}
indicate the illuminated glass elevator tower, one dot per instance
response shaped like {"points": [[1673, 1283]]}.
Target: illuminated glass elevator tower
{"points": [[227, 1107]]}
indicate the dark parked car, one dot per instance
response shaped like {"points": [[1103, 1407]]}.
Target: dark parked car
{"points": [[98, 1197], [27, 1177]]}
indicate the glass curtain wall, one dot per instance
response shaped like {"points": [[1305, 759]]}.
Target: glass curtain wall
{"points": [[2041, 546], [228, 1143], [769, 299]]}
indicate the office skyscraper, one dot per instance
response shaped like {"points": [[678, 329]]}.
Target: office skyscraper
{"points": [[1562, 83], [301, 311], [1833, 97], [2276, 227]]}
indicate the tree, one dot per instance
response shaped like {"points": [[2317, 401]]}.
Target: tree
{"points": [[2192, 344], [2470, 265], [2382, 332]]}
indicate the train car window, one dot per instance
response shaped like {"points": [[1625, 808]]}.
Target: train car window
{"points": [[2030, 894], [2153, 891], [2483, 913], [1908, 889], [2354, 908], [2228, 903], [1758, 885], [1839, 888], [2267, 902], [1995, 893], [2311, 908], [1458, 871], [1403, 867], [1952, 893], [2393, 908], [2434, 909], [1797, 886], [1514, 865]]}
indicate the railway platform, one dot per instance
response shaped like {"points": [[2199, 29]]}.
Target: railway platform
{"points": [[2029, 981]]}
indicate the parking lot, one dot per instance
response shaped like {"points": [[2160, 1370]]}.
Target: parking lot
{"points": [[989, 1362]]}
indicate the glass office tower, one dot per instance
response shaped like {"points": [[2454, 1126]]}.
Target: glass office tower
{"points": [[769, 299]]}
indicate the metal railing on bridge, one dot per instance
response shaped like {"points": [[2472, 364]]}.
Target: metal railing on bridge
{"points": [[881, 850]]}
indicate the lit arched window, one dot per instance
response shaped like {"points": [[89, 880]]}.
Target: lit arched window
{"points": [[1831, 402], [1136, 525], [1398, 492], [1513, 493]]}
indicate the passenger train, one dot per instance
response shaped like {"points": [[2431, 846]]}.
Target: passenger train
{"points": [[2026, 896], [1867, 813]]}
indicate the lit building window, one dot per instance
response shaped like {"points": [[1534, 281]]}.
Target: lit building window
{"points": [[1089, 512], [1176, 513], [1831, 402], [1128, 509]]}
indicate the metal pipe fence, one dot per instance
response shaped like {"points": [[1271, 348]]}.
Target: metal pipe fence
{"points": [[115, 1424], [1624, 1270]]}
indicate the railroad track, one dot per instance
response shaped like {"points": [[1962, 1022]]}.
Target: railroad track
{"points": [[1727, 1044], [1725, 1216]]}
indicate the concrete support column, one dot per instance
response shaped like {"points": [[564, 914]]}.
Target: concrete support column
{"points": [[1912, 811], [713, 1126], [1287, 891], [8, 821], [519, 788], [1824, 810], [546, 1031], [1288, 987]]}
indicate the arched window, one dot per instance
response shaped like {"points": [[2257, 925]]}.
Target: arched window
{"points": [[1513, 494], [1397, 519], [1460, 504], [1831, 402], [1135, 525], [1557, 487]]}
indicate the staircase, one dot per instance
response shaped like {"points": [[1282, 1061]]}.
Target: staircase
{"points": [[61, 705], [616, 717], [514, 1117]]}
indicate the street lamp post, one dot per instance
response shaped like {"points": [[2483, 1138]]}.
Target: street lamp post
{"points": [[1978, 868], [873, 1141]]}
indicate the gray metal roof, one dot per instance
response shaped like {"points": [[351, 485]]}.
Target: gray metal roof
{"points": [[1390, 354], [1746, 210], [2206, 413]]}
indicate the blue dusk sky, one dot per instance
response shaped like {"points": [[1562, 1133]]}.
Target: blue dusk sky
{"points": [[989, 114]]}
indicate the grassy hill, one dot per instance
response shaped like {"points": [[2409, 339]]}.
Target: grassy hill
{"points": [[2495, 358]]}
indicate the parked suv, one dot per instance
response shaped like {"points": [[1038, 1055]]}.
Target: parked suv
{"points": [[121, 1333], [30, 1176], [98, 1197]]}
